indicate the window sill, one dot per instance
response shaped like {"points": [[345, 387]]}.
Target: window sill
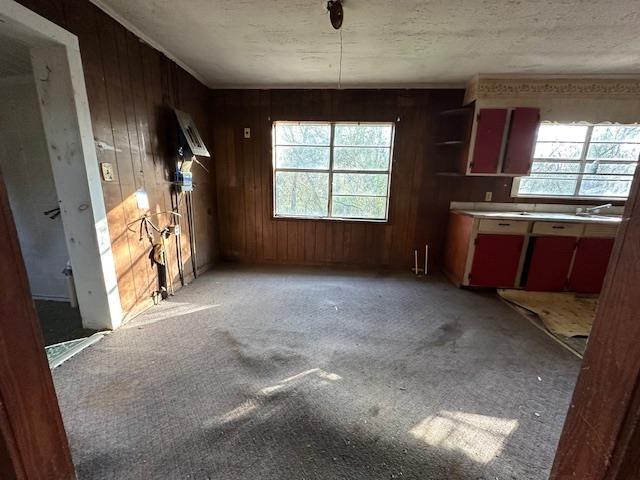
{"points": [[572, 197], [330, 219], [515, 186]]}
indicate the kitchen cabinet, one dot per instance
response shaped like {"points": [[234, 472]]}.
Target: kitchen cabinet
{"points": [[590, 265], [496, 260], [549, 263], [485, 249], [484, 252], [490, 130], [488, 141], [521, 141]]}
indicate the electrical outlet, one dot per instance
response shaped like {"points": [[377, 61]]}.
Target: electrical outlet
{"points": [[247, 132], [488, 196], [107, 171]]}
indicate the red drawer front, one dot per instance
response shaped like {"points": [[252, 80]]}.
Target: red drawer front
{"points": [[590, 265], [550, 263], [495, 260], [488, 143], [522, 139]]}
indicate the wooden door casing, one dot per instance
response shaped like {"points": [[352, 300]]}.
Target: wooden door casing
{"points": [[34, 443]]}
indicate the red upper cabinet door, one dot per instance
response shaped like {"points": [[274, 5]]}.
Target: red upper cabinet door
{"points": [[489, 136], [550, 262], [495, 260], [521, 142], [590, 265]]}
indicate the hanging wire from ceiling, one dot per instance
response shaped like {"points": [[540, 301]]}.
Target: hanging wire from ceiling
{"points": [[340, 67], [336, 16]]}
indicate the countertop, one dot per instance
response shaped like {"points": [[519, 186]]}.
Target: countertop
{"points": [[544, 217]]}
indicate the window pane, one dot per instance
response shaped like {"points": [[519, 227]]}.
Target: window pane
{"points": [[304, 134], [359, 207], [359, 184], [555, 167], [562, 133], [303, 157], [610, 133], [361, 158], [365, 135], [558, 150], [548, 184], [614, 151], [609, 186], [610, 168], [302, 193]]}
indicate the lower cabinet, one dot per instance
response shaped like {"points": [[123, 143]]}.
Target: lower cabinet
{"points": [[496, 260], [541, 256], [590, 265], [549, 263]]}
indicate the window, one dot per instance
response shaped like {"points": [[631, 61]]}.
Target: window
{"points": [[332, 170], [588, 161]]}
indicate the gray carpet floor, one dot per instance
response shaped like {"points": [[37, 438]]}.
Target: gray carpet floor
{"points": [[280, 373]]}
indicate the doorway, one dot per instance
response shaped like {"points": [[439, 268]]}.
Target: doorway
{"points": [[50, 171]]}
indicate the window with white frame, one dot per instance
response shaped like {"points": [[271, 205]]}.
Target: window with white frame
{"points": [[589, 161], [332, 170]]}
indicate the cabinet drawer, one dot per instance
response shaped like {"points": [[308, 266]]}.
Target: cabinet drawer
{"points": [[600, 231], [557, 228], [502, 226]]}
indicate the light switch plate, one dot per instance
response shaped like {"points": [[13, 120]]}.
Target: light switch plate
{"points": [[247, 132], [142, 199], [107, 171]]}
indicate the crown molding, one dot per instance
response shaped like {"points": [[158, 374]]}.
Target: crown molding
{"points": [[619, 86], [150, 41]]}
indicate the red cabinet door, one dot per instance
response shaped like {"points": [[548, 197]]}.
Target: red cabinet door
{"points": [[495, 260], [590, 265], [548, 269], [522, 139], [488, 142]]}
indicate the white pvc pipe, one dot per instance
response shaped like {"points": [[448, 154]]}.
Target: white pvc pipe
{"points": [[426, 257]]}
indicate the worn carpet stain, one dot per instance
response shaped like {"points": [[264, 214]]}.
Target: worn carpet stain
{"points": [[318, 374]]}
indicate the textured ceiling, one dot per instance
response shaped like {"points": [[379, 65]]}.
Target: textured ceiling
{"points": [[14, 57], [290, 43]]}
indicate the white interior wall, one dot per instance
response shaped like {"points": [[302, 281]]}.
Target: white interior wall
{"points": [[26, 169]]}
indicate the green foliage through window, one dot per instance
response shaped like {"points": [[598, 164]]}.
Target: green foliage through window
{"points": [[583, 161], [332, 170]]}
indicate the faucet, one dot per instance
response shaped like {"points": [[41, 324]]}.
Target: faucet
{"points": [[585, 212]]}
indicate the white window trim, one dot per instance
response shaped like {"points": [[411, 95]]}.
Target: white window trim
{"points": [[515, 185], [331, 171]]}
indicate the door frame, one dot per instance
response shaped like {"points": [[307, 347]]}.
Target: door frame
{"points": [[64, 108], [33, 443]]}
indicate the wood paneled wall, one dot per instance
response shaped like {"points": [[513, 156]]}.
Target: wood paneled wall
{"points": [[419, 201], [131, 89]]}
